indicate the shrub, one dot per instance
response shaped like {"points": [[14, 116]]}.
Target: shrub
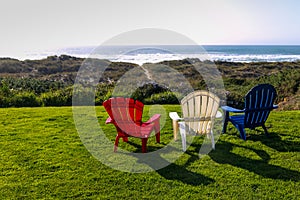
{"points": [[61, 97], [147, 90], [103, 92], [24, 99], [162, 98]]}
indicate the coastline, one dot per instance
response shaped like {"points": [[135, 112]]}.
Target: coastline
{"points": [[140, 54], [67, 63], [238, 77]]}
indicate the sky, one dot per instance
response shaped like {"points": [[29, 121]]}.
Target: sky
{"points": [[38, 25]]}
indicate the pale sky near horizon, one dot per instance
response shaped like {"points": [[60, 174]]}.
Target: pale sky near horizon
{"points": [[34, 25]]}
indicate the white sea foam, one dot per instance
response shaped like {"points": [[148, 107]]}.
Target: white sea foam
{"points": [[141, 56], [255, 58], [154, 58], [144, 58]]}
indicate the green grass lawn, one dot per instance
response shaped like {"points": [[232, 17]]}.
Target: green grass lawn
{"points": [[42, 157]]}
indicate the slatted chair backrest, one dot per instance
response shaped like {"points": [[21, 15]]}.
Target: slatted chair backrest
{"points": [[126, 114], [199, 109], [258, 104]]}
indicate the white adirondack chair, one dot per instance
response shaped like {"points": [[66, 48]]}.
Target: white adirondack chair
{"points": [[199, 110]]}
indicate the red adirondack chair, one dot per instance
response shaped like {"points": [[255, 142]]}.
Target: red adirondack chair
{"points": [[126, 115]]}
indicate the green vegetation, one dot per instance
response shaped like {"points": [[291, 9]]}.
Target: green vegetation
{"points": [[42, 157], [49, 82]]}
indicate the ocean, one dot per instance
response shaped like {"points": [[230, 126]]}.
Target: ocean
{"points": [[158, 53]]}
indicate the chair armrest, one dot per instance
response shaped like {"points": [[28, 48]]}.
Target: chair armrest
{"points": [[154, 118], [275, 106], [109, 120], [174, 116], [231, 109], [219, 114]]}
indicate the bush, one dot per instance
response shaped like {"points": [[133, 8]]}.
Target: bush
{"points": [[103, 92], [147, 91], [162, 98], [4, 101], [61, 97], [25, 99]]}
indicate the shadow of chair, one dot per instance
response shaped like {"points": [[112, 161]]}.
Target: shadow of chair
{"points": [[262, 167], [275, 142], [180, 173]]}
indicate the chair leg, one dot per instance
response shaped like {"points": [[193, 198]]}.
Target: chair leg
{"points": [[144, 145], [183, 135], [225, 123], [242, 132], [183, 140], [116, 143], [157, 136], [212, 140], [265, 129], [157, 131], [175, 129], [125, 139]]}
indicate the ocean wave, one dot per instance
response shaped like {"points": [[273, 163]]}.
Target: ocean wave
{"points": [[158, 54], [255, 58], [155, 58]]}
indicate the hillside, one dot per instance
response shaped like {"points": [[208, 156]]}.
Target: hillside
{"points": [[56, 74]]}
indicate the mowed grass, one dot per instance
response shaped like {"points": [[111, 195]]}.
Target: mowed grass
{"points": [[42, 157]]}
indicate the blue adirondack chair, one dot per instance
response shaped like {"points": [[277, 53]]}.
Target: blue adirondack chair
{"points": [[259, 101]]}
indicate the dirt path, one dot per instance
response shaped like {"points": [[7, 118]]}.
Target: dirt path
{"points": [[147, 73]]}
